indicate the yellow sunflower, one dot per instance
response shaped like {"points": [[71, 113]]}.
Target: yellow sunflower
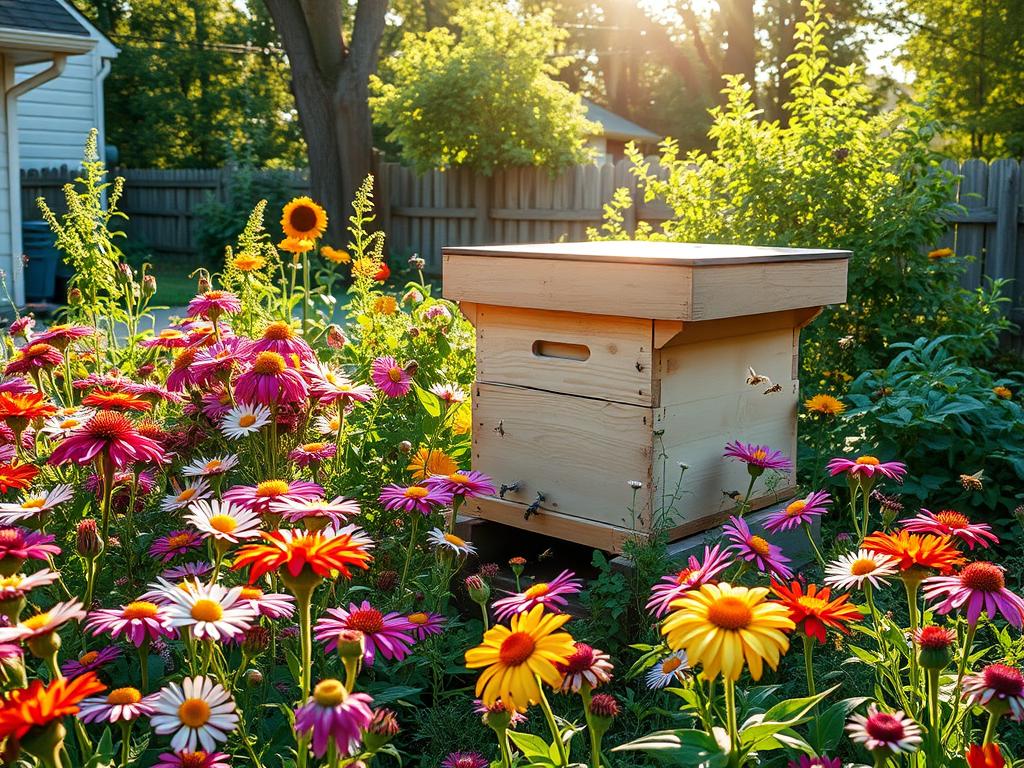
{"points": [[335, 255], [296, 245], [720, 625], [303, 219], [517, 655], [826, 405], [425, 463]]}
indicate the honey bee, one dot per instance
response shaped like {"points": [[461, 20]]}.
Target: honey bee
{"points": [[773, 389], [754, 378]]}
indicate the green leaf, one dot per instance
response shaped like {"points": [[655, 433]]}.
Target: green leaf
{"points": [[430, 402], [686, 747], [829, 728], [531, 746]]}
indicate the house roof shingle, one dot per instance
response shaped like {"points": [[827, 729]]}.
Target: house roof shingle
{"points": [[40, 16]]}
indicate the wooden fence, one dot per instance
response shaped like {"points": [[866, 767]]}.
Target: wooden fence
{"points": [[422, 213]]}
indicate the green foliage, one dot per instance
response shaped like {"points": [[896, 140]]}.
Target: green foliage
{"points": [[968, 56], [834, 175], [483, 97], [943, 418]]}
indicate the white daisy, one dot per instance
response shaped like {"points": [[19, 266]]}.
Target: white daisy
{"points": [[35, 504], [327, 425], [316, 512], [120, 705], [854, 568], [199, 712], [244, 420], [668, 670], [218, 465], [191, 493], [66, 422], [224, 521], [449, 542], [212, 611]]}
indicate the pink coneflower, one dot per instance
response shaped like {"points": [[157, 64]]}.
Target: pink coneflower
{"points": [[193, 571], [43, 623], [90, 661], [273, 605], [19, 544], [949, 522], [183, 374], [33, 358], [389, 634], [696, 573], [269, 380], [465, 760], [219, 465], [219, 360], [153, 393], [867, 467], [879, 730], [281, 338], [111, 435], [767, 557], [168, 338], [193, 760], [425, 624], [413, 498], [139, 621], [197, 488], [215, 404], [35, 505], [469, 485], [333, 714], [997, 683], [175, 543], [978, 587], [121, 705], [201, 333], [22, 326], [335, 512], [61, 336], [17, 586], [213, 304], [329, 386], [258, 498], [391, 378], [16, 385], [800, 512], [758, 458], [551, 594], [312, 453], [587, 666]]}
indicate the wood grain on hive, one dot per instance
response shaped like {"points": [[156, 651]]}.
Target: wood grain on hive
{"points": [[603, 363]]}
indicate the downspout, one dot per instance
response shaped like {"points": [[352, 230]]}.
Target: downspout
{"points": [[101, 118], [11, 95]]}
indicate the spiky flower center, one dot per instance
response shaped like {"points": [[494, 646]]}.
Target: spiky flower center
{"points": [[581, 660], [110, 425], [269, 364], [270, 488], [194, 713], [1004, 680], [795, 508], [870, 460], [862, 566], [953, 519], [538, 590], [760, 546], [516, 649], [140, 609], [279, 331], [983, 577], [124, 696], [395, 374], [935, 638], [329, 693], [416, 492], [730, 613], [205, 609], [884, 727], [367, 620]]}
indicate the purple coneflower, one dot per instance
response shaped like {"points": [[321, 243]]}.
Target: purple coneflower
{"points": [[213, 304], [269, 380], [758, 458], [175, 543], [867, 468], [258, 498], [312, 453], [139, 622], [551, 594], [587, 666], [997, 685], [389, 634], [767, 557], [465, 760], [332, 714], [695, 574], [413, 498], [121, 705], [978, 587], [279, 337], [424, 624], [316, 513], [468, 485], [877, 730], [799, 512], [90, 661], [949, 522], [390, 377]]}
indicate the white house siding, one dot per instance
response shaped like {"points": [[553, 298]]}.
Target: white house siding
{"points": [[6, 244], [55, 118]]}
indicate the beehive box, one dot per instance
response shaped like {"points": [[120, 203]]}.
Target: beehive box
{"points": [[603, 363]]}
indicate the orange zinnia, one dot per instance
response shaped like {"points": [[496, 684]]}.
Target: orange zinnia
{"points": [[24, 407], [17, 476], [120, 401], [37, 706], [914, 550], [816, 610], [297, 549]]}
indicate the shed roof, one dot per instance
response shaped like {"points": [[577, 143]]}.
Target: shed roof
{"points": [[40, 16], [616, 126]]}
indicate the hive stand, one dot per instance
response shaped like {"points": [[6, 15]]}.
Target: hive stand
{"points": [[601, 364]]}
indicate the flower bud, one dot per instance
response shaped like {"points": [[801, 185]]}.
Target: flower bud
{"points": [[405, 447], [351, 644], [75, 298], [604, 706], [255, 641], [253, 678], [148, 286], [124, 274], [335, 338], [412, 367], [383, 728], [88, 543], [204, 284], [478, 590], [936, 644], [387, 581], [414, 332], [417, 262]]}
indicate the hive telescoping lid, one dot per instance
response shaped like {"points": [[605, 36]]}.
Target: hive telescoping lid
{"points": [[656, 280]]}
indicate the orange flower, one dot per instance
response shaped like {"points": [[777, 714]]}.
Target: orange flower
{"points": [[815, 610], [296, 549], [17, 476], [119, 401], [335, 255], [303, 219], [914, 550], [986, 756], [36, 706], [25, 407]]}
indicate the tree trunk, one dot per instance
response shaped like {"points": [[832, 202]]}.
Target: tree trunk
{"points": [[330, 84], [741, 53]]}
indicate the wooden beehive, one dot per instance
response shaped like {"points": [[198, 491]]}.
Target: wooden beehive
{"points": [[609, 362]]}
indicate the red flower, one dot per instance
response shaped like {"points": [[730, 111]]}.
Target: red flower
{"points": [[987, 756], [295, 549], [111, 435], [17, 476], [383, 273], [815, 611], [36, 706]]}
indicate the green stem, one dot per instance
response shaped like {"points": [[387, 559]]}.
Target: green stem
{"points": [[814, 546], [563, 756], [730, 722], [126, 742], [506, 755], [409, 551], [960, 671], [934, 727], [144, 664], [866, 498], [745, 504], [991, 728], [486, 618], [911, 586], [304, 599]]}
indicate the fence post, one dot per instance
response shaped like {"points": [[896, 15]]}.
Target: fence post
{"points": [[482, 204], [1004, 247]]}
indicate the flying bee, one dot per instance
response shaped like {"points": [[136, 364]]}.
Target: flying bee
{"points": [[773, 389], [545, 554], [754, 378], [734, 495]]}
